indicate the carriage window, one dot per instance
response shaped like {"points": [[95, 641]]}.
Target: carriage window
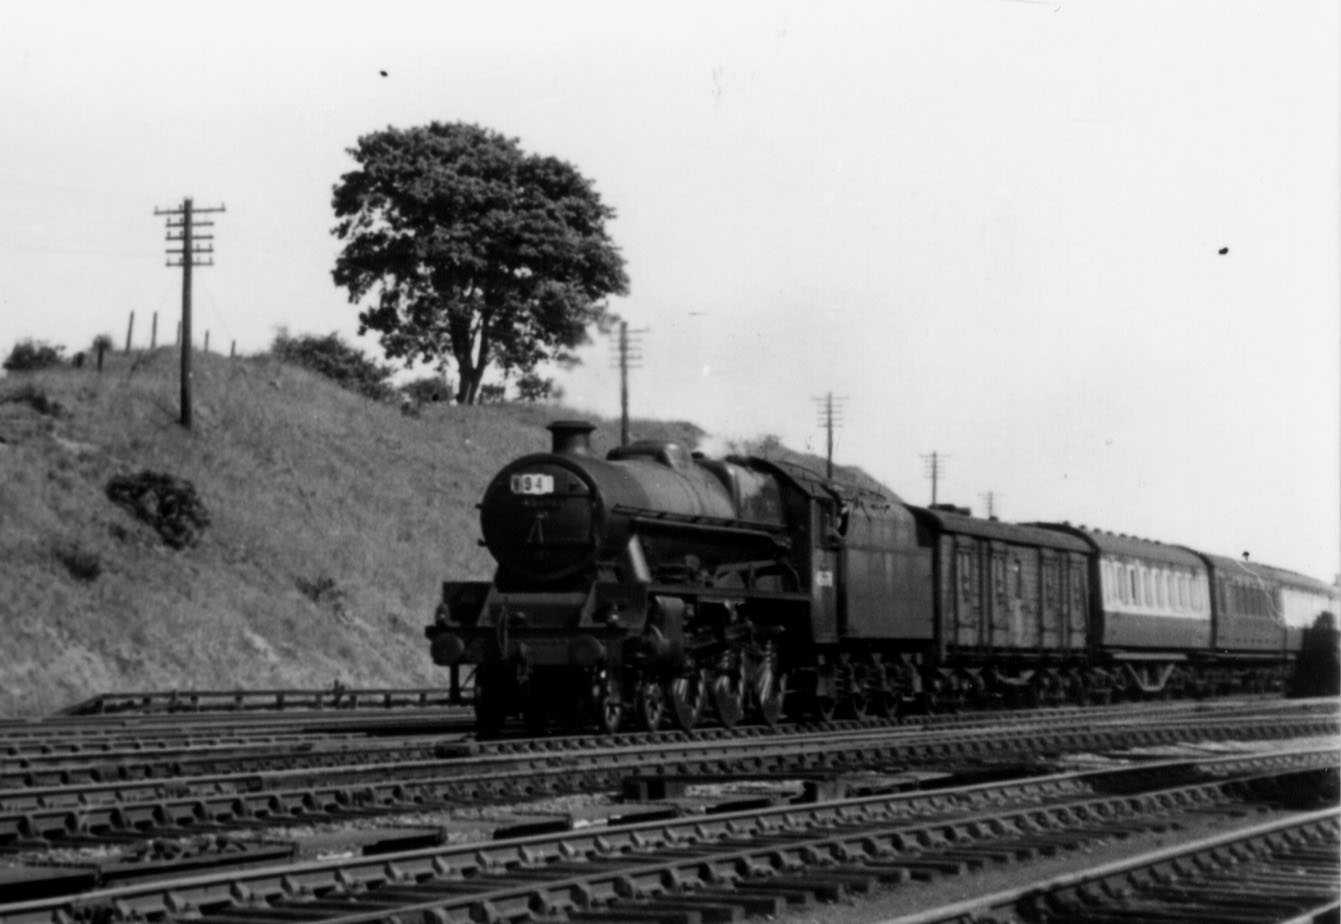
{"points": [[1017, 572]]}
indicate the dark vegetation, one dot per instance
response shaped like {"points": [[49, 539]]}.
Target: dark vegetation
{"points": [[428, 389], [336, 360], [31, 355], [35, 398], [83, 565], [166, 503]]}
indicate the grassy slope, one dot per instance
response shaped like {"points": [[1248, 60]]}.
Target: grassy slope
{"points": [[303, 481]]}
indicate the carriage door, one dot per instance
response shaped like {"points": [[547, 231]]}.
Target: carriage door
{"points": [[1077, 635], [999, 623], [1050, 601], [964, 591]]}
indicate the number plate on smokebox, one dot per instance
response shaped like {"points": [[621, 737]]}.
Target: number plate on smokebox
{"points": [[527, 483]]}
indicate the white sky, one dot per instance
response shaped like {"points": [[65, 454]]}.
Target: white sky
{"points": [[991, 224]]}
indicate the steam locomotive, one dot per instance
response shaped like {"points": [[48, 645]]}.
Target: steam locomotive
{"points": [[657, 584]]}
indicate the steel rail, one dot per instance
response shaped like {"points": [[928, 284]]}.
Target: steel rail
{"points": [[376, 790], [157, 701], [1283, 870], [39, 733], [821, 848]]}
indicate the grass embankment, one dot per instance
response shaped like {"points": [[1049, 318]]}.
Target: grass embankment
{"points": [[333, 521]]}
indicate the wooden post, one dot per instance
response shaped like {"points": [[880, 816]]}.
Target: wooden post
{"points": [[232, 350], [186, 313], [153, 332], [623, 383], [207, 341], [130, 328], [102, 348]]}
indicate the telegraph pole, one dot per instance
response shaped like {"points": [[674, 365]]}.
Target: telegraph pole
{"points": [[830, 418], [182, 220], [935, 467], [629, 355], [989, 498]]}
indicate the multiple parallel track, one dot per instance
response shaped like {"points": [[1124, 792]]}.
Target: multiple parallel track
{"points": [[39, 763], [721, 867], [174, 798], [96, 813]]}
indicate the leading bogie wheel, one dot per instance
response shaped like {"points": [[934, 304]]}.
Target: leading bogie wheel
{"points": [[607, 701]]}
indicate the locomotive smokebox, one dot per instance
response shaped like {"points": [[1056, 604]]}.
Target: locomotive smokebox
{"points": [[571, 437]]}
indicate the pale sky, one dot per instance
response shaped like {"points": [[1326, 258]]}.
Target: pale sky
{"points": [[993, 225]]}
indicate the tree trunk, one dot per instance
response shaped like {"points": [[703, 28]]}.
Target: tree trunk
{"points": [[468, 389]]}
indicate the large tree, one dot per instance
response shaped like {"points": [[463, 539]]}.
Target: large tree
{"points": [[465, 249]]}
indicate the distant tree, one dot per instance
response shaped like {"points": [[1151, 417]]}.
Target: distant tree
{"points": [[30, 355], [336, 360], [472, 251]]}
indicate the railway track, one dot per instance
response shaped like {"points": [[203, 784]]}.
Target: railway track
{"points": [[273, 700], [724, 866], [1284, 870], [96, 813], [89, 733], [161, 760]]}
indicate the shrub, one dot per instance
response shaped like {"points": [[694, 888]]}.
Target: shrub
{"points": [[336, 360], [29, 355], [532, 387], [322, 591], [35, 398], [82, 564], [492, 394], [427, 389], [170, 505]]}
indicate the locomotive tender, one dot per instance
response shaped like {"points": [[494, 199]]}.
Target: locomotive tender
{"points": [[659, 583]]}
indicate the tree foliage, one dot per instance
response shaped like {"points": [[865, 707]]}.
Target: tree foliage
{"points": [[336, 360], [30, 355], [465, 249]]}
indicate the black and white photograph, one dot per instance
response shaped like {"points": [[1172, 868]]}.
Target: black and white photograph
{"points": [[605, 462]]}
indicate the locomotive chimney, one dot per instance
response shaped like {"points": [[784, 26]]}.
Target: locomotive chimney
{"points": [[571, 437]]}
